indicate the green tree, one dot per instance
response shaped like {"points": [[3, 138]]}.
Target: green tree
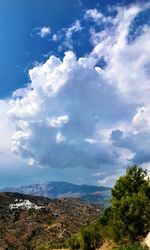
{"points": [[130, 210], [105, 217]]}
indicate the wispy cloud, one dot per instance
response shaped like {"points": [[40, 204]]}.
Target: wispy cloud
{"points": [[94, 15], [43, 31], [75, 27], [55, 37], [108, 181]]}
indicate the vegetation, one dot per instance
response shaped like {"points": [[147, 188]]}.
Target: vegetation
{"points": [[74, 242], [124, 223], [47, 228], [89, 238], [127, 219], [130, 209], [135, 246]]}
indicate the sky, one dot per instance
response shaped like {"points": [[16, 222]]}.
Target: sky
{"points": [[74, 90]]}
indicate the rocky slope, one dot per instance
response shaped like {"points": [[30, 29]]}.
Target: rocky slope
{"points": [[45, 228]]}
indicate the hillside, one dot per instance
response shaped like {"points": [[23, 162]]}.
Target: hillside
{"points": [[89, 193], [56, 221]]}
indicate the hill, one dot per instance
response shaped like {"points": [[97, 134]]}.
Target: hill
{"points": [[51, 225], [89, 193]]}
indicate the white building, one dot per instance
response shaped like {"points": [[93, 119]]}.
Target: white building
{"points": [[25, 204]]}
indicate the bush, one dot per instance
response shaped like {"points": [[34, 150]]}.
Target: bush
{"points": [[91, 237], [74, 242], [135, 246]]}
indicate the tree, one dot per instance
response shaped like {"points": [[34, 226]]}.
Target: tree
{"points": [[136, 180], [126, 219], [130, 210]]}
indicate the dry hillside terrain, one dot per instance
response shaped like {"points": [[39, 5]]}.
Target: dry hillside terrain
{"points": [[56, 221]]}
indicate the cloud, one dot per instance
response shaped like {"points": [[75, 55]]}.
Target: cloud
{"points": [[44, 31], [5, 141], [55, 37], [8, 159], [77, 114], [94, 15], [127, 70], [109, 180], [75, 27], [65, 36], [68, 35], [60, 115], [99, 173]]}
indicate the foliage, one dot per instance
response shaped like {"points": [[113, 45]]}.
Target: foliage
{"points": [[126, 219], [130, 210], [135, 246], [135, 180], [74, 242], [106, 216], [89, 238]]}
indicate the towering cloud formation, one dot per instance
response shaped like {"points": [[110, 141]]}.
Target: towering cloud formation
{"points": [[75, 113], [58, 118]]}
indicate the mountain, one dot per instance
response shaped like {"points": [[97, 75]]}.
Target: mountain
{"points": [[89, 193], [44, 228]]}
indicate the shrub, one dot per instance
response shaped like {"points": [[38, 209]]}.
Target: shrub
{"points": [[74, 242], [91, 237], [135, 246]]}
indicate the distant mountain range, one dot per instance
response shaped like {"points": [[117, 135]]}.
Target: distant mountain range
{"points": [[89, 193]]}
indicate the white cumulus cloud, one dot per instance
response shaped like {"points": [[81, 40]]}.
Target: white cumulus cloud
{"points": [[59, 117]]}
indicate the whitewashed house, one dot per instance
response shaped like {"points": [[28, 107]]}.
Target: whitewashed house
{"points": [[25, 204]]}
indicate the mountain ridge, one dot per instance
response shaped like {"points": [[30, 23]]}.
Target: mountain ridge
{"points": [[60, 189]]}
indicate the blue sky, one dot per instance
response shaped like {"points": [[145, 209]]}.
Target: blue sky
{"points": [[74, 81], [19, 45]]}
